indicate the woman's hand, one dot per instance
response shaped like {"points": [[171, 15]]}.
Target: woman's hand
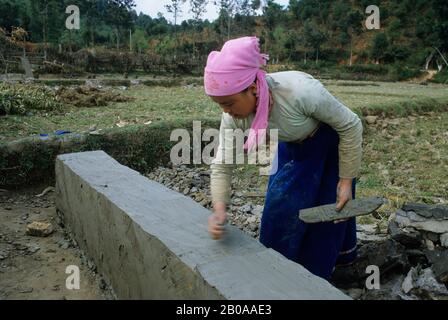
{"points": [[217, 220], [344, 193]]}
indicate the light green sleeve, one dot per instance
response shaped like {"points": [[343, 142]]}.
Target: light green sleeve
{"points": [[221, 170], [323, 106]]}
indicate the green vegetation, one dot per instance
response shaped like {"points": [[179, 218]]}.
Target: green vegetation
{"points": [[20, 99], [441, 77], [188, 103], [306, 31]]}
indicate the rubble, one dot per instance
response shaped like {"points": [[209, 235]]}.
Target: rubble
{"points": [[439, 261], [421, 284], [406, 236]]}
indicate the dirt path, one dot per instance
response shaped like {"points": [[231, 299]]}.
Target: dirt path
{"points": [[426, 77], [34, 267]]}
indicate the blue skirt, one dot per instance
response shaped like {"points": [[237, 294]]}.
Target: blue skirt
{"points": [[307, 176]]}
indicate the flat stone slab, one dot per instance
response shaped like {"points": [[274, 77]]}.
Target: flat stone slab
{"points": [[151, 242], [353, 208], [416, 221], [437, 211]]}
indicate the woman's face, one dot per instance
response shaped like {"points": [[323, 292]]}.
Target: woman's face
{"points": [[239, 105]]}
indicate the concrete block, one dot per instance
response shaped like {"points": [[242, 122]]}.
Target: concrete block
{"points": [[151, 242]]}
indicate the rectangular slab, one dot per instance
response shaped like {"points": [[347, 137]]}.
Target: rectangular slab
{"points": [[151, 242]]}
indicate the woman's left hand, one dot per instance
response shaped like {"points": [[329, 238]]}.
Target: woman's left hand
{"points": [[344, 193]]}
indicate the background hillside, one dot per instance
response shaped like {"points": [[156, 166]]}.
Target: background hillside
{"points": [[316, 32]]}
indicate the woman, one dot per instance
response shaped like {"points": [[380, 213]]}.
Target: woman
{"points": [[318, 156]]}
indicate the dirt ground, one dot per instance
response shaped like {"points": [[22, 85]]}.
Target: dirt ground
{"points": [[34, 267]]}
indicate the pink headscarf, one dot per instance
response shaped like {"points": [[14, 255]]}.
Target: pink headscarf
{"points": [[232, 70]]}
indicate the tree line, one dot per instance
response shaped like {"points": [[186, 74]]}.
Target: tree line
{"points": [[305, 31]]}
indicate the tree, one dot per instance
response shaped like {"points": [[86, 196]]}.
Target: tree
{"points": [[139, 40], [176, 9], [198, 8], [227, 10], [93, 13], [118, 14], [272, 16], [379, 47], [9, 16], [353, 27], [48, 14], [314, 38]]}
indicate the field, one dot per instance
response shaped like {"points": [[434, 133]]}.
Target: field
{"points": [[155, 104]]}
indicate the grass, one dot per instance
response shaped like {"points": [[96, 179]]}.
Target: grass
{"points": [[158, 104], [179, 104], [393, 99], [407, 161]]}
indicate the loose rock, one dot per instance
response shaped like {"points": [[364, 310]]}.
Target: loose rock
{"points": [[371, 119], [39, 229]]}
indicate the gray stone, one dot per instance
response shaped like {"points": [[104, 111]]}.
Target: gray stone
{"points": [[247, 208], [407, 236], [423, 284], [434, 237], [388, 291], [429, 244], [33, 248], [408, 282], [367, 238], [427, 287], [411, 219], [438, 211], [252, 219], [417, 257], [257, 210], [367, 228], [439, 261], [352, 208], [444, 240], [152, 243], [355, 293], [64, 244], [388, 255]]}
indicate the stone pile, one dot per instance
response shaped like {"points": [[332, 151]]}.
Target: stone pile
{"points": [[412, 257]]}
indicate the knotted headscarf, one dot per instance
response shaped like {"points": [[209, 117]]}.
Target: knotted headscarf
{"points": [[235, 68]]}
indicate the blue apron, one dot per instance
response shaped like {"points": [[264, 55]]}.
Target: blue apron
{"points": [[307, 176]]}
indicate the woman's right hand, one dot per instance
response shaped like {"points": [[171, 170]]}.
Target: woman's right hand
{"points": [[217, 220]]}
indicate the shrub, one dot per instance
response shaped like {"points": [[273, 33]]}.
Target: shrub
{"points": [[441, 77], [20, 99], [399, 72]]}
